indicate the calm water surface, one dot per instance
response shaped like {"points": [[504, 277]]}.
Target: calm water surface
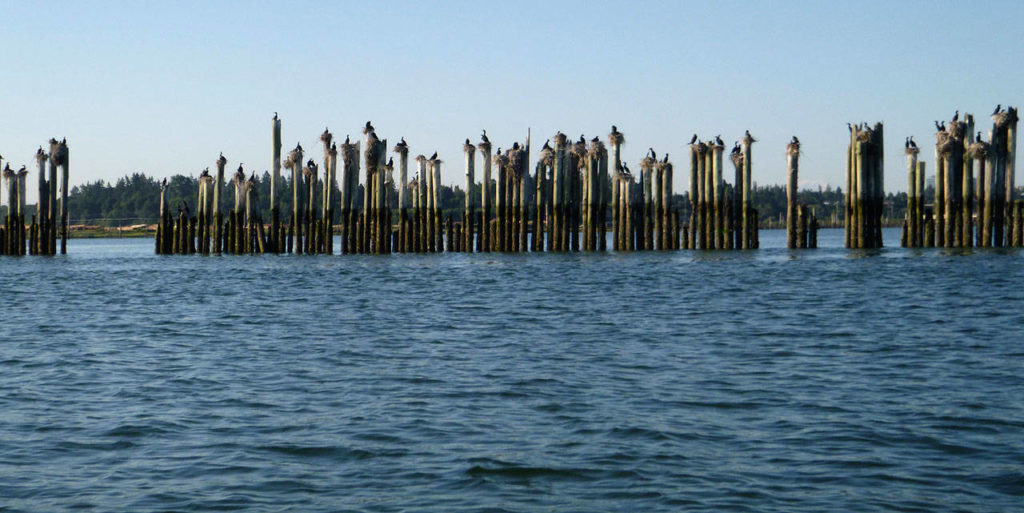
{"points": [[768, 381]]}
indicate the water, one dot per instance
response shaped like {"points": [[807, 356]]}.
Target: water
{"points": [[768, 381]]}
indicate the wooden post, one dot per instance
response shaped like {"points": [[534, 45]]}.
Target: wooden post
{"points": [[275, 180], [485, 194], [912, 196], [942, 144], [646, 176], [792, 169], [749, 228], [435, 191]]}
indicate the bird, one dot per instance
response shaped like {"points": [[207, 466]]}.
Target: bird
{"points": [[164, 184], [484, 138], [906, 142], [614, 129], [979, 137], [595, 140], [938, 127], [746, 134], [943, 126], [582, 139], [666, 158], [693, 139], [997, 109], [434, 156], [368, 128], [912, 143], [956, 115], [547, 145], [794, 140], [467, 141], [275, 115], [515, 146], [403, 143], [718, 140], [240, 170], [347, 139]]}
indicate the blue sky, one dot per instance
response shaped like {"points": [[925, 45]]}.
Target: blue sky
{"points": [[163, 87]]}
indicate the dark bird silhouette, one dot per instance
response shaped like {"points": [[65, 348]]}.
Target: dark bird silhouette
{"points": [[666, 159], [467, 140], [942, 126], [434, 156], [718, 140], [595, 140], [693, 139], [906, 142], [240, 170], [515, 146], [624, 166], [368, 128], [938, 127], [483, 137], [746, 133], [583, 139], [795, 140], [164, 184], [849, 127], [978, 137], [403, 143], [615, 130], [912, 143], [956, 115], [275, 115], [997, 109], [347, 139], [547, 145]]}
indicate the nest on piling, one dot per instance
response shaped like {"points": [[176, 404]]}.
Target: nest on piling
{"points": [[747, 138], [296, 155], [1005, 117], [333, 151], [401, 147], [579, 149], [469, 149], [372, 152], [737, 159], [547, 155], [647, 163], [978, 150], [349, 154], [40, 155], [8, 173], [485, 146], [326, 137], [701, 148], [945, 143], [910, 150], [560, 139], [222, 161], [616, 138], [793, 149], [516, 161], [500, 160]]}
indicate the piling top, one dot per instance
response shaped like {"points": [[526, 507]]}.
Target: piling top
{"points": [[560, 139], [221, 161], [1005, 117], [402, 147], [326, 137], [616, 137], [468, 148], [793, 148], [978, 150], [747, 139]]}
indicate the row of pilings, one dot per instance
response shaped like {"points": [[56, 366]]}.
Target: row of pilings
{"points": [[865, 194], [50, 222], [974, 201], [577, 189]]}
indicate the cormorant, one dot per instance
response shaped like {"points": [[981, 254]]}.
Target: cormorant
{"points": [[164, 184], [906, 143], [718, 140], [938, 127], [484, 138], [997, 109], [347, 139], [515, 146], [666, 158], [912, 143], [693, 139], [547, 145], [978, 137], [595, 140], [956, 115], [275, 115], [467, 140], [391, 162], [615, 130], [434, 156], [368, 128]]}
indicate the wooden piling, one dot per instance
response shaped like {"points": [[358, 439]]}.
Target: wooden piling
{"points": [[792, 169]]}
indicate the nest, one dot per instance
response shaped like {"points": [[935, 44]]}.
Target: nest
{"points": [[793, 148], [737, 159], [401, 148], [372, 152], [1005, 118], [8, 173], [560, 139], [469, 148], [500, 160], [944, 143], [579, 149], [238, 178], [349, 154], [978, 150], [665, 167], [701, 148], [911, 151], [748, 139], [647, 163], [296, 155], [326, 137], [616, 138], [956, 129], [485, 146]]}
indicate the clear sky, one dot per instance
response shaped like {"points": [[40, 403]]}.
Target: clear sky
{"points": [[163, 87]]}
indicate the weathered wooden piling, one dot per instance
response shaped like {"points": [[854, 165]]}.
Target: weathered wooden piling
{"points": [[792, 201], [748, 225], [865, 175]]}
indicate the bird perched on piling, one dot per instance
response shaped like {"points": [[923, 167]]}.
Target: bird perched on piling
{"points": [[794, 140], [998, 106], [483, 137], [956, 115], [912, 143], [652, 154], [666, 159], [693, 139], [718, 140], [433, 157], [906, 143], [368, 128], [547, 145]]}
